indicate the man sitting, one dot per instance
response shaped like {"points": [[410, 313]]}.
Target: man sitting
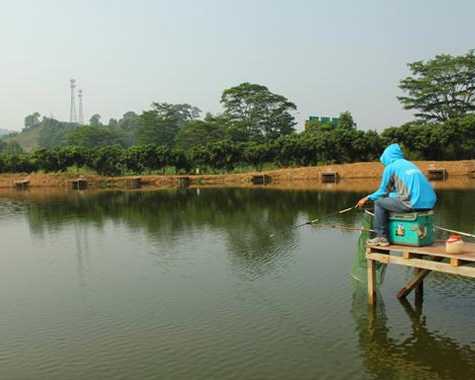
{"points": [[404, 188]]}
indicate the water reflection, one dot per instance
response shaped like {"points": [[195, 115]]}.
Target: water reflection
{"points": [[421, 354], [229, 277], [256, 224]]}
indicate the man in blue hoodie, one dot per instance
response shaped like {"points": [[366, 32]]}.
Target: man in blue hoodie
{"points": [[404, 188]]}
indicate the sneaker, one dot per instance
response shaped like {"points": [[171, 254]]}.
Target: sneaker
{"points": [[378, 242]]}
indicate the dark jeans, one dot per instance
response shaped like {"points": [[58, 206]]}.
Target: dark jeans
{"points": [[382, 207]]}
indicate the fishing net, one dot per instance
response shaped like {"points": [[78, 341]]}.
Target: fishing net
{"points": [[359, 270]]}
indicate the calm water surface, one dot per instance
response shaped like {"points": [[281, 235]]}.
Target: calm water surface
{"points": [[215, 284]]}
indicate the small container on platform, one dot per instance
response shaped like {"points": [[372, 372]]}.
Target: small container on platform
{"points": [[412, 228], [454, 244]]}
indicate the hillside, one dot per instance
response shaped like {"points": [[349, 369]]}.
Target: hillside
{"points": [[28, 140], [4, 132]]}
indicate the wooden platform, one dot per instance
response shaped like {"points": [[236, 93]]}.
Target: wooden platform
{"points": [[22, 184], [439, 174], [79, 184], [329, 177], [134, 182], [261, 179], [424, 260]]}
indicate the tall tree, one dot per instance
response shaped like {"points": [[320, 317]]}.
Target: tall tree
{"points": [[129, 120], [160, 125], [441, 88], [346, 120], [32, 120], [95, 120], [199, 132], [258, 111]]}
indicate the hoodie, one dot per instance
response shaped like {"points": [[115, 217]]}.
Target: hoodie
{"points": [[404, 180]]}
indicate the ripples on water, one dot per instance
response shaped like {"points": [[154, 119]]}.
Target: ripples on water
{"points": [[215, 284]]}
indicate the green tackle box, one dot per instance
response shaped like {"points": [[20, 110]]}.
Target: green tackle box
{"points": [[411, 228]]}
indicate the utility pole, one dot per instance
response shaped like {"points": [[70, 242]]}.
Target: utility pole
{"points": [[73, 118], [81, 111]]}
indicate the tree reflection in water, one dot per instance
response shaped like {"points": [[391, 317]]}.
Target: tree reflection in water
{"points": [[256, 223]]}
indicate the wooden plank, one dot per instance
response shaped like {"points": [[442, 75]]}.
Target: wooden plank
{"points": [[461, 270], [437, 250], [416, 282], [371, 282], [413, 283]]}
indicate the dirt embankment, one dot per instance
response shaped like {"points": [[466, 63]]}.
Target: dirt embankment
{"points": [[362, 176]]}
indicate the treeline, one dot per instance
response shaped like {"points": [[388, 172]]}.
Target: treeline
{"points": [[297, 149], [255, 129], [316, 145]]}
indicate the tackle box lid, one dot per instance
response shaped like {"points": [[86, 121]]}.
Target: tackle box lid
{"points": [[409, 216]]}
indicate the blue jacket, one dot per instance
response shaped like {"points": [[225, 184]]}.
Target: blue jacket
{"points": [[404, 180]]}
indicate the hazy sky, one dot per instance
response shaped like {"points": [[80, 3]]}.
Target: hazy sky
{"points": [[325, 56]]}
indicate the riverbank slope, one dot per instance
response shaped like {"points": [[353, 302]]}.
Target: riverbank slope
{"points": [[363, 172]]}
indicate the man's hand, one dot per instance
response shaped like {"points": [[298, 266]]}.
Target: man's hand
{"points": [[362, 202]]}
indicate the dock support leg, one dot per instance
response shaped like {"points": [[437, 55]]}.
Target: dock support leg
{"points": [[414, 283], [419, 292], [371, 282]]}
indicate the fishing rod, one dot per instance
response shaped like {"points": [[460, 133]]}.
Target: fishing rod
{"points": [[313, 221], [344, 211]]}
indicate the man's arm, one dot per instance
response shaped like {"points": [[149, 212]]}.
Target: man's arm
{"points": [[386, 183]]}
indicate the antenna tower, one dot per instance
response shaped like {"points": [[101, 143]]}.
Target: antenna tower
{"points": [[81, 111], [73, 117]]}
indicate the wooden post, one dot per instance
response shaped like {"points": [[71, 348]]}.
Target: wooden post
{"points": [[371, 282], [419, 292], [414, 282]]}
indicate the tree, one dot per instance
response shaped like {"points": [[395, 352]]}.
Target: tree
{"points": [[53, 133], [95, 120], [108, 160], [32, 120], [161, 124], [89, 136], [10, 147], [346, 121], [113, 123], [129, 120], [259, 112], [442, 88], [199, 132], [179, 113]]}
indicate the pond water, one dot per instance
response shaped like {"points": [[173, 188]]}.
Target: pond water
{"points": [[215, 284]]}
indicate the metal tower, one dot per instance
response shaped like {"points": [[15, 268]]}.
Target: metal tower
{"points": [[81, 111], [73, 117]]}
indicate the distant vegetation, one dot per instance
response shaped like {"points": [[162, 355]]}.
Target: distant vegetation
{"points": [[256, 130]]}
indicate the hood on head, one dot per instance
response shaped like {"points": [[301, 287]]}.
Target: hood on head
{"points": [[392, 153]]}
